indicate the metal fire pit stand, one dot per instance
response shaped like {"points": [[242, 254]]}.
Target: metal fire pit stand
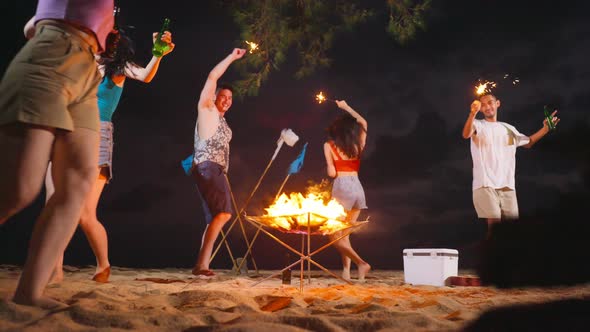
{"points": [[305, 254]]}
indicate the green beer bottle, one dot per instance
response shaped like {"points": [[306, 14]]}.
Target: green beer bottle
{"points": [[159, 46], [549, 118]]}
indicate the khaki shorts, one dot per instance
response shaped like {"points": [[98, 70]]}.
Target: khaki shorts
{"points": [[52, 81], [493, 203]]}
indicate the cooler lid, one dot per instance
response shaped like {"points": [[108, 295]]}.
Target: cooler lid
{"points": [[431, 252]]}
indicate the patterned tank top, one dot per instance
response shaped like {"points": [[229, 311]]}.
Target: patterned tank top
{"points": [[216, 147]]}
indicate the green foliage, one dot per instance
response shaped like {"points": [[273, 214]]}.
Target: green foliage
{"points": [[307, 29], [406, 17]]}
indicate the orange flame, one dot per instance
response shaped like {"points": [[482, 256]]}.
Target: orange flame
{"points": [[291, 213], [485, 87], [320, 98], [252, 45]]}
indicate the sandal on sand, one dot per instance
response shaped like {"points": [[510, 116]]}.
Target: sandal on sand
{"points": [[102, 276], [203, 273]]}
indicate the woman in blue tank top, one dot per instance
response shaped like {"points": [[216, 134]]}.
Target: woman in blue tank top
{"points": [[116, 65]]}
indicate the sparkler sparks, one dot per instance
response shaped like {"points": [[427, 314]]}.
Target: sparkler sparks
{"points": [[252, 46], [320, 98], [484, 88]]}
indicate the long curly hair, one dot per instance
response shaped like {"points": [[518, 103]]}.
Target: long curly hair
{"points": [[345, 132], [120, 51]]}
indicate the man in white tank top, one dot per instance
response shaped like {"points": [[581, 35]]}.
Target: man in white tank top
{"points": [[493, 150], [211, 159]]}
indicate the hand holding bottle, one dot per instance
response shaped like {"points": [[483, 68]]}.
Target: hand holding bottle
{"points": [[160, 47], [165, 39], [551, 120]]}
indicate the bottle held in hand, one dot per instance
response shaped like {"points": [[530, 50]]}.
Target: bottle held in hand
{"points": [[549, 117], [161, 47]]}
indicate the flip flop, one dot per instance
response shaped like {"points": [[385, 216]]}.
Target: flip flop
{"points": [[102, 276]]}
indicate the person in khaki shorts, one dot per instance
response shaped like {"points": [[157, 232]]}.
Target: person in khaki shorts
{"points": [[493, 150], [49, 112]]}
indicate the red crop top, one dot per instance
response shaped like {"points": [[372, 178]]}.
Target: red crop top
{"points": [[350, 165]]}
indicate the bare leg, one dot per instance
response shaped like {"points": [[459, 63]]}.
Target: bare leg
{"points": [[58, 273], [25, 152], [95, 231], [348, 253], [209, 237], [74, 160], [491, 222]]}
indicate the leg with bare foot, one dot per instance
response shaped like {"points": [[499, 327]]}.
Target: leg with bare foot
{"points": [[74, 159], [211, 232], [95, 232], [345, 248], [346, 261], [362, 266]]}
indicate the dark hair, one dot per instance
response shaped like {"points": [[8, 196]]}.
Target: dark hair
{"points": [[224, 86], [119, 52], [487, 93], [345, 131]]}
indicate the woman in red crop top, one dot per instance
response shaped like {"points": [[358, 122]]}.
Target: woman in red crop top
{"points": [[346, 141]]}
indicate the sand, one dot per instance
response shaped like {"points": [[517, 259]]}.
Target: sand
{"points": [[173, 300]]}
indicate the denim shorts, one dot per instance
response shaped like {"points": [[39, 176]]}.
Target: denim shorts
{"points": [[348, 191], [105, 152], [213, 188]]}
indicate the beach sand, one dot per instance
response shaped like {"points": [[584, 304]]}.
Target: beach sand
{"points": [[174, 300]]}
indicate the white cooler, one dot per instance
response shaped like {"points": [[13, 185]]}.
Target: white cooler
{"points": [[430, 266]]}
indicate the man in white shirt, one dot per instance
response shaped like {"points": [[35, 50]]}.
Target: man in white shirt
{"points": [[493, 150], [211, 158]]}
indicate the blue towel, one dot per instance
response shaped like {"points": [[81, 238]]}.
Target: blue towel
{"points": [[187, 164]]}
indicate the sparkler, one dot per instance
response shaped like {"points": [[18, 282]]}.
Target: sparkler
{"points": [[252, 46], [320, 98], [484, 88], [515, 80]]}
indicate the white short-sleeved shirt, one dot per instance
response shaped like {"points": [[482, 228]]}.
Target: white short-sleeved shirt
{"points": [[493, 150]]}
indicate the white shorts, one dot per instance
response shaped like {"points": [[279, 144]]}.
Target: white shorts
{"points": [[493, 203], [348, 191]]}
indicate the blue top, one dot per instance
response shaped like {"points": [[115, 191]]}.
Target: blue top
{"points": [[109, 95]]}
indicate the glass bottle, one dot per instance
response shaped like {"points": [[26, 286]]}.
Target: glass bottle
{"points": [[161, 47], [286, 277], [549, 117]]}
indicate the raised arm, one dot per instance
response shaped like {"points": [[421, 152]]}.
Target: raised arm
{"points": [[147, 74], [329, 160], [208, 92], [344, 106], [468, 129], [534, 138]]}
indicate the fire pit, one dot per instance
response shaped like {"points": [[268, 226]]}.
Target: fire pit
{"points": [[306, 216]]}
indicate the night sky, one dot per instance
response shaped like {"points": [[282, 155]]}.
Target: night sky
{"points": [[417, 168]]}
